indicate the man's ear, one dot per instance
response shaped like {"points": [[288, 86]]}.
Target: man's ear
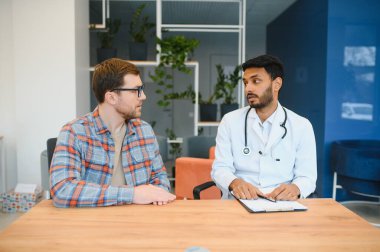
{"points": [[277, 84], [110, 97]]}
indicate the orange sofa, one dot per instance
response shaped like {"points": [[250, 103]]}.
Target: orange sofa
{"points": [[191, 172]]}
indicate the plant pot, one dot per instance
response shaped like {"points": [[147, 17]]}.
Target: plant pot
{"points": [[138, 51], [208, 112], [225, 108], [106, 53]]}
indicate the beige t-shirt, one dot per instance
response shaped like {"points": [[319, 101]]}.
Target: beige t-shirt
{"points": [[118, 174]]}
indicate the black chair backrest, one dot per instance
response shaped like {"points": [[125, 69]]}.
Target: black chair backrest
{"points": [[51, 142], [163, 146], [357, 164], [199, 146]]}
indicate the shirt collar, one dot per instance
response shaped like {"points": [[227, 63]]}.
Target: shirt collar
{"points": [[270, 119], [132, 125], [101, 128]]}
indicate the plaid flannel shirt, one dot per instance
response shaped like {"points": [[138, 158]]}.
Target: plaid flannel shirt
{"points": [[83, 162]]}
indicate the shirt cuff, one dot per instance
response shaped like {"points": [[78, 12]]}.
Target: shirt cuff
{"points": [[125, 195], [304, 188], [225, 182]]}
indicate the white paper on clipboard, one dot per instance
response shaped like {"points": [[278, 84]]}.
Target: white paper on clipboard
{"points": [[263, 205]]}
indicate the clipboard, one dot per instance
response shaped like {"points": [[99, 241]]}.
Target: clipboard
{"points": [[261, 205]]}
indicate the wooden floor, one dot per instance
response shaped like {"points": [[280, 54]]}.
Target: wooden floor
{"points": [[370, 211], [7, 218]]}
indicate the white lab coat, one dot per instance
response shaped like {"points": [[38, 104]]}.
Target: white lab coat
{"points": [[288, 160]]}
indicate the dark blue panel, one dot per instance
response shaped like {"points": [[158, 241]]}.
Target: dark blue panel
{"points": [[357, 164], [331, 53], [352, 83], [299, 38]]}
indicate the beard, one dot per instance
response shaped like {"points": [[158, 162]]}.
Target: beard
{"points": [[128, 115], [264, 100]]}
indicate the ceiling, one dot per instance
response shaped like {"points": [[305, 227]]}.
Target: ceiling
{"points": [[262, 12], [258, 12]]}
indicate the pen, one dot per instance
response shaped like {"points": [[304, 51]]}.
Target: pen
{"points": [[270, 199], [260, 196]]}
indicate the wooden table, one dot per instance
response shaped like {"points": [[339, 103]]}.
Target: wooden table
{"points": [[218, 225]]}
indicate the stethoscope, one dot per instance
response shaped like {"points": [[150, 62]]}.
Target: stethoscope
{"points": [[246, 149]]}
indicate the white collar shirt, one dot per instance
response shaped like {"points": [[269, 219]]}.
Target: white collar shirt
{"points": [[262, 129], [274, 158]]}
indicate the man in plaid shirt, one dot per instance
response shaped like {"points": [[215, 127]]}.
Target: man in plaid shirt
{"points": [[110, 156]]}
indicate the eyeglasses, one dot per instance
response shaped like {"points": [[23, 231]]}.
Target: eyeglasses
{"points": [[139, 90]]}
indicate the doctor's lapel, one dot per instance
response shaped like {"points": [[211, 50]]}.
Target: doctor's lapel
{"points": [[277, 131]]}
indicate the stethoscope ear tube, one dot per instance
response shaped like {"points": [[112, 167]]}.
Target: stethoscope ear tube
{"points": [[246, 149]]}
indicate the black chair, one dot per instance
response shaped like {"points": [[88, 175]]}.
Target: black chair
{"points": [[199, 146], [356, 167], [198, 189], [51, 142]]}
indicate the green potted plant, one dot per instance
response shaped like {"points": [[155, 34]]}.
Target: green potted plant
{"points": [[225, 88], [106, 38], [208, 108], [173, 54], [175, 148], [174, 51], [138, 29]]}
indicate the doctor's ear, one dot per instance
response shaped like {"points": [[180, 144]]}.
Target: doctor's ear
{"points": [[277, 83]]}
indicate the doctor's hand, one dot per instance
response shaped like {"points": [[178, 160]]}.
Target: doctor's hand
{"points": [[244, 190], [285, 192]]}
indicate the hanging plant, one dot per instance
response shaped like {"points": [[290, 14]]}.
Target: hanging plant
{"points": [[175, 51], [173, 54]]}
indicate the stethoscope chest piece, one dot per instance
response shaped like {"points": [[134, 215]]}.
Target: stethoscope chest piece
{"points": [[246, 150]]}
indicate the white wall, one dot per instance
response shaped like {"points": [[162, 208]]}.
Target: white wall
{"points": [[46, 60], [7, 95], [82, 57]]}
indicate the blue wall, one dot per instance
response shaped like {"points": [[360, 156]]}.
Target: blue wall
{"points": [[299, 38], [330, 51], [352, 73]]}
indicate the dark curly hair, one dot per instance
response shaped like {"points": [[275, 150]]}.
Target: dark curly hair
{"points": [[271, 64]]}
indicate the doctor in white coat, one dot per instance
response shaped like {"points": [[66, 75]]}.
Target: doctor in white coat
{"points": [[265, 149]]}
